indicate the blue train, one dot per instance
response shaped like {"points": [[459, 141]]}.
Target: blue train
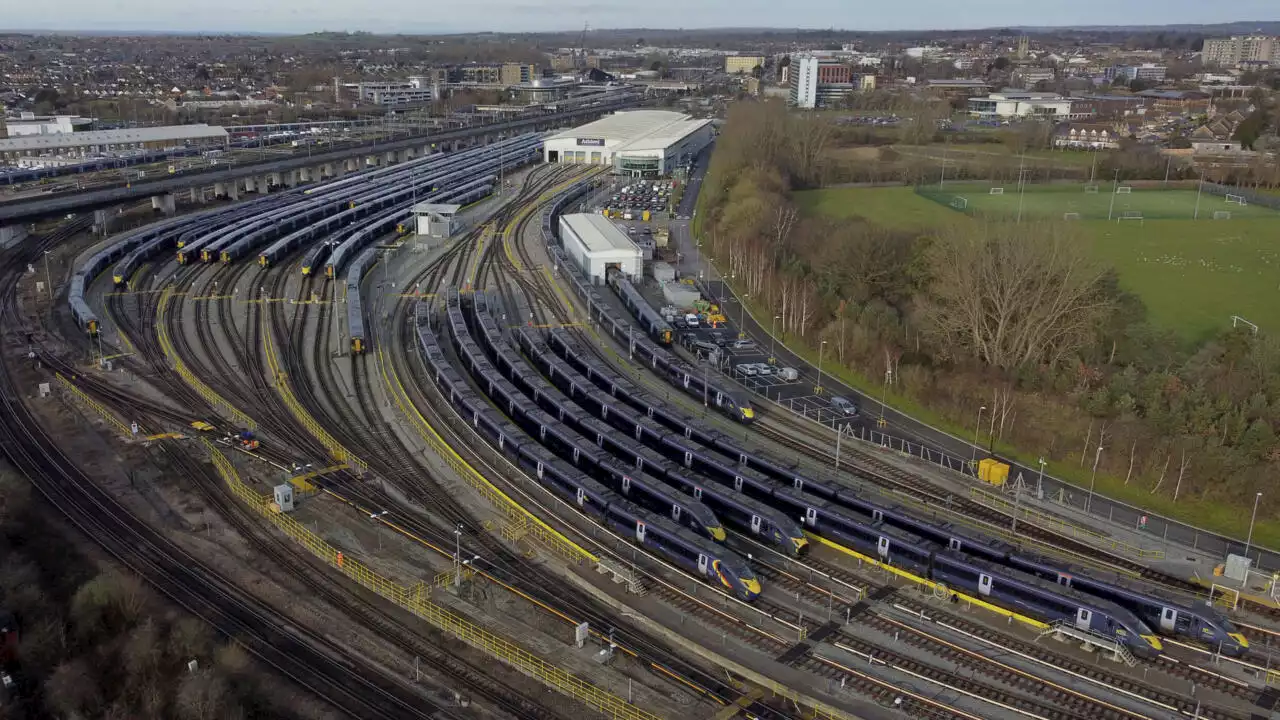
{"points": [[745, 515], [645, 314], [712, 562], [559, 434]]}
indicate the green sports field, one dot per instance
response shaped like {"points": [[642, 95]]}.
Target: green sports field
{"points": [[1073, 202], [1193, 275]]}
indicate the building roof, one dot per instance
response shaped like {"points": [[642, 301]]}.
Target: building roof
{"points": [[35, 143], [598, 234], [636, 130]]}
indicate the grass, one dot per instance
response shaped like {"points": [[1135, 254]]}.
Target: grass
{"points": [[1193, 275], [899, 208], [1053, 201], [1035, 158]]}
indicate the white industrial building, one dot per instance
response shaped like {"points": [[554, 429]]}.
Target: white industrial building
{"points": [[596, 244], [1002, 106], [94, 143], [32, 124], [639, 143]]}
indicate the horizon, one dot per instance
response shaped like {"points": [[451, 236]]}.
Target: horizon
{"points": [[392, 17]]}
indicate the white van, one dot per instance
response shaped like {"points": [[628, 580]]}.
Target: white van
{"points": [[691, 320]]}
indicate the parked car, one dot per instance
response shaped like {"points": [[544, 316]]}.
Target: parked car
{"points": [[844, 406], [789, 374], [748, 369]]}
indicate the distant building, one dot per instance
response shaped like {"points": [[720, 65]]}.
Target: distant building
{"points": [[1008, 105], [1204, 141], [964, 88], [518, 73], [1087, 136], [1029, 76], [1177, 101], [1146, 71], [1109, 107], [32, 124], [818, 81], [742, 64], [99, 142], [1241, 50]]}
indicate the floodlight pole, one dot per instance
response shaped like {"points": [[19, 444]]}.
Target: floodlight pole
{"points": [[1114, 187], [1199, 189]]}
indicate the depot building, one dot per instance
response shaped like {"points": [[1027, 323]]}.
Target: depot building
{"points": [[639, 143]]}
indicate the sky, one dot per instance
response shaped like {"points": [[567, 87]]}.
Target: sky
{"points": [[429, 16]]}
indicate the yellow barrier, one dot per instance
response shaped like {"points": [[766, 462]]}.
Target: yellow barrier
{"points": [[96, 406], [166, 347], [515, 512], [415, 601], [335, 448], [1062, 527]]}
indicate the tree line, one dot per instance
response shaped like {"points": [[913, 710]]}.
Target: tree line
{"points": [[1018, 318]]}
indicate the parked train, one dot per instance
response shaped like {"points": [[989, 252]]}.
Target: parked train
{"points": [[567, 436], [742, 514], [745, 515], [712, 562], [645, 314]]}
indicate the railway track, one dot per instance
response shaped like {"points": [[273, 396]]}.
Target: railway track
{"points": [[310, 660]]}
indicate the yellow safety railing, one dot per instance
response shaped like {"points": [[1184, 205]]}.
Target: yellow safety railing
{"points": [[515, 512], [1062, 527], [188, 377], [304, 418], [94, 405], [415, 600]]}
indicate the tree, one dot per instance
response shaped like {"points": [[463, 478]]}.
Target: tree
{"points": [[1012, 295], [757, 72], [1001, 63]]}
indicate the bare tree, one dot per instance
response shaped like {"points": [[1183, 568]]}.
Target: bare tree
{"points": [[1013, 295]]}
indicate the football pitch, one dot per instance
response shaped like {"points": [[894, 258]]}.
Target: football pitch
{"points": [[1074, 202], [1193, 275]]}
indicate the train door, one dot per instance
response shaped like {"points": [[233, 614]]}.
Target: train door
{"points": [[953, 543], [877, 515], [540, 469], [882, 548], [1168, 616], [640, 528], [811, 516], [755, 524], [688, 459], [984, 584], [737, 483], [626, 484], [582, 497], [1064, 580], [798, 483], [702, 564], [1083, 618], [697, 493], [675, 512]]}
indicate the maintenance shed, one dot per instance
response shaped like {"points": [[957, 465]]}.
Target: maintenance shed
{"points": [[596, 244], [638, 143]]}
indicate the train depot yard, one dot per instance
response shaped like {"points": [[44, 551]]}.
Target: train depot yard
{"points": [[535, 459]]}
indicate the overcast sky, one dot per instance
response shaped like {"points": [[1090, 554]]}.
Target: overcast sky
{"points": [[419, 16]]}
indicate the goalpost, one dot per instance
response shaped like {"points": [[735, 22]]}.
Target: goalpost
{"points": [[1131, 215], [1221, 214], [1236, 200], [997, 191], [960, 203], [1071, 216], [1124, 190], [1090, 189]]}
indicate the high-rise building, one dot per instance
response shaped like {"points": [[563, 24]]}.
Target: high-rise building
{"points": [[1241, 50], [818, 81]]}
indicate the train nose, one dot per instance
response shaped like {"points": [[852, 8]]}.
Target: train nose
{"points": [[1241, 639], [1154, 642], [801, 546], [717, 533]]}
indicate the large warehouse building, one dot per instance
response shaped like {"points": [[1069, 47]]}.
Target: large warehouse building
{"points": [[639, 143], [596, 244]]}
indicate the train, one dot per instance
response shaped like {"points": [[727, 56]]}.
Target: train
{"points": [[743, 514], [692, 553], [566, 434], [730, 463], [645, 314]]}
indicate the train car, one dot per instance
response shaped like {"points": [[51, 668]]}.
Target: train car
{"points": [[645, 314], [1031, 596], [1198, 623], [658, 535]]}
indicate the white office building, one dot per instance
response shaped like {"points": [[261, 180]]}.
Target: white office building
{"points": [[639, 143], [1005, 106], [596, 244]]}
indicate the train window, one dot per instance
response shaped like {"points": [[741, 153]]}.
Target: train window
{"points": [[1183, 623], [755, 523]]}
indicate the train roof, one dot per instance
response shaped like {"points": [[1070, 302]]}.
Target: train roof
{"points": [[1008, 573]]}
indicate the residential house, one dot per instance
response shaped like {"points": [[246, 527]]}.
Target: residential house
{"points": [[1087, 136]]}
